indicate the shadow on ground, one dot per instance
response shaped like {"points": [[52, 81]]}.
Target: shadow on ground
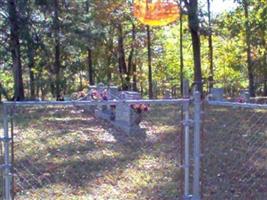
{"points": [[72, 154]]}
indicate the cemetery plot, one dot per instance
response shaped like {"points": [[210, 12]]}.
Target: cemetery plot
{"points": [[67, 153]]}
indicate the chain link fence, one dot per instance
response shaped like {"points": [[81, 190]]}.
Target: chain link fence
{"points": [[234, 161], [66, 151], [1, 158]]}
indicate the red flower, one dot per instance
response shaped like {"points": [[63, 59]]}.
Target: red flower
{"points": [[139, 107]]}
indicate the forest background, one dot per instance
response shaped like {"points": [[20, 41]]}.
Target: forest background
{"points": [[50, 48]]}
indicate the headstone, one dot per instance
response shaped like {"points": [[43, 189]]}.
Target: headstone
{"points": [[127, 118], [217, 94], [244, 94], [104, 111], [92, 87], [113, 92], [129, 95], [122, 115]]}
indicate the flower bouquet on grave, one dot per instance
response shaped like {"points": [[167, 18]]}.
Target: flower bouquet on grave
{"points": [[137, 111], [241, 100], [100, 96], [96, 95]]}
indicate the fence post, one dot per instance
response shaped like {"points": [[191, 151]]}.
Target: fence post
{"points": [[6, 139], [197, 122], [186, 141]]}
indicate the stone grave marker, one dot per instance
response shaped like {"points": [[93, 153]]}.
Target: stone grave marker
{"points": [[244, 94], [126, 117], [216, 94]]}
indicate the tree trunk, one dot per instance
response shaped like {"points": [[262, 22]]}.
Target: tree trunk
{"points": [[15, 51], [140, 68], [134, 78], [90, 67], [130, 58], [211, 73], [122, 63], [150, 89], [194, 29], [57, 48], [109, 72], [31, 74], [265, 64], [181, 53], [248, 43]]}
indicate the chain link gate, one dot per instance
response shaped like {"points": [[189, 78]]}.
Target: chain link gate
{"points": [[49, 155], [235, 146]]}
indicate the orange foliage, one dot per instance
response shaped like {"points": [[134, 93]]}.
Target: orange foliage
{"points": [[156, 13]]}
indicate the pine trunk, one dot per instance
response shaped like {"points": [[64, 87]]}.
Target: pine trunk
{"points": [[90, 67], [265, 66], [131, 58], [211, 73], [122, 63], [150, 89], [134, 78], [31, 74], [194, 29], [15, 51], [248, 43], [181, 54], [57, 48]]}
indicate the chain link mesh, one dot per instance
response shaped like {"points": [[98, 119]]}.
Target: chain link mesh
{"points": [[1, 155], [1, 170], [65, 152], [235, 153]]}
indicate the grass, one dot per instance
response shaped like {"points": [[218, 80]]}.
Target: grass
{"points": [[65, 153], [235, 148]]}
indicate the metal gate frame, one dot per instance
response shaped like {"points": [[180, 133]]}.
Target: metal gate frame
{"points": [[7, 138]]}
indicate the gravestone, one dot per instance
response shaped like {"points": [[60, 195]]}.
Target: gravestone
{"points": [[244, 94], [104, 111], [122, 115], [216, 94], [113, 92], [129, 95], [126, 118], [155, 89]]}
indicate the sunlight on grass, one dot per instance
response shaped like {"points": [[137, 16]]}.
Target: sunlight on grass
{"points": [[74, 156]]}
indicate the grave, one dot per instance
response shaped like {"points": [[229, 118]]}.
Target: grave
{"points": [[124, 116], [216, 94], [244, 95], [127, 117], [105, 93]]}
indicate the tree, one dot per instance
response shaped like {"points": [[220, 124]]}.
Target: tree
{"points": [[57, 64], [211, 73], [150, 86], [181, 51], [15, 50], [192, 7], [245, 4], [121, 58]]}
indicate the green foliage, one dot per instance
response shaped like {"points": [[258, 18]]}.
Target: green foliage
{"points": [[94, 24]]}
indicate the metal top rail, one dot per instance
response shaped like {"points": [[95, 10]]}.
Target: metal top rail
{"points": [[93, 103], [238, 105]]}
